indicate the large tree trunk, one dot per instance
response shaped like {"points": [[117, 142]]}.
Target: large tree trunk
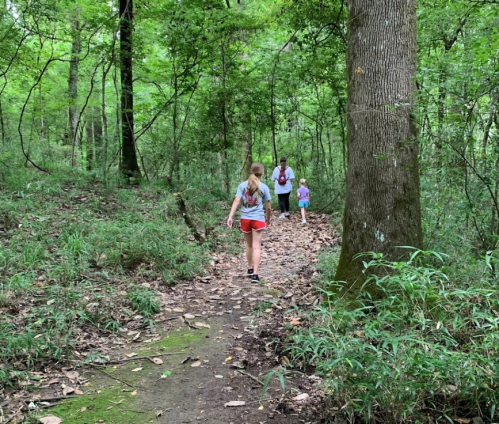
{"points": [[382, 208], [73, 88], [129, 164]]}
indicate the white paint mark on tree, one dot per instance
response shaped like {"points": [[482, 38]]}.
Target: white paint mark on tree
{"points": [[380, 236]]}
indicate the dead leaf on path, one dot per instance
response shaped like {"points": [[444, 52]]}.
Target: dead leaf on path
{"points": [[79, 392], [196, 364], [157, 361], [136, 336], [72, 375], [131, 355], [462, 420], [185, 360], [301, 397], [235, 403], [134, 393], [295, 322], [67, 390], [53, 381], [137, 369], [260, 408], [239, 349], [189, 316], [202, 324], [50, 419]]}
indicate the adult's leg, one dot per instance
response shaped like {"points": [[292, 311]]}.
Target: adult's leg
{"points": [[257, 249], [282, 202], [248, 237], [286, 201]]}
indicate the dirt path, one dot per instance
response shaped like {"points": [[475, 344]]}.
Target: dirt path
{"points": [[222, 335]]}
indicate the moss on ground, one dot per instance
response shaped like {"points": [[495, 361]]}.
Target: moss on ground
{"points": [[121, 404], [173, 342], [112, 405]]}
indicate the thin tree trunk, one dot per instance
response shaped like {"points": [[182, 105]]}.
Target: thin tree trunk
{"points": [[2, 124], [105, 134], [118, 119], [247, 147], [73, 113], [89, 132], [224, 120]]}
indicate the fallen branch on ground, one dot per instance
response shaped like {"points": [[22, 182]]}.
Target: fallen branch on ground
{"points": [[188, 221], [251, 376]]}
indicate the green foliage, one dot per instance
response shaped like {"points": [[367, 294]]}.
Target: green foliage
{"points": [[425, 346], [142, 301], [65, 252]]}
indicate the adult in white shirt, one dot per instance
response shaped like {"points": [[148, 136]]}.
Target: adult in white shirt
{"points": [[283, 176]]}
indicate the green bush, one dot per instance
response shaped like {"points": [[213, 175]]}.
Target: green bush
{"points": [[426, 347], [142, 301]]}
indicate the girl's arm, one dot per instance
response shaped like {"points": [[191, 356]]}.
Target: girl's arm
{"points": [[233, 209], [267, 212]]}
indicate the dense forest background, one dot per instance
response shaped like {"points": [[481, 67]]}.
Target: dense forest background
{"points": [[182, 96], [219, 84]]}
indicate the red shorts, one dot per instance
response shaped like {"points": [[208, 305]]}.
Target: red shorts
{"points": [[248, 225]]}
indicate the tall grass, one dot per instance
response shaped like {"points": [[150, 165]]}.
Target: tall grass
{"points": [[425, 350]]}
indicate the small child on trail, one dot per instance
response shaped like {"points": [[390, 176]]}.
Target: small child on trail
{"points": [[303, 195]]}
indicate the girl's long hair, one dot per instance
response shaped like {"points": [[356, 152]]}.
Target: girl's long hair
{"points": [[254, 178]]}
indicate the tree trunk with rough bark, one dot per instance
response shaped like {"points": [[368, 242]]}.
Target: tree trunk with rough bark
{"points": [[382, 210], [129, 163]]}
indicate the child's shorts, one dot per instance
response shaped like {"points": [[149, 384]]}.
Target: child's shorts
{"points": [[248, 225], [303, 204]]}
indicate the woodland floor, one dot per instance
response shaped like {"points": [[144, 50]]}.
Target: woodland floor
{"points": [[215, 337]]}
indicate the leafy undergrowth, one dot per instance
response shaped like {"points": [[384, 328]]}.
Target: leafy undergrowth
{"points": [[424, 351], [77, 259]]}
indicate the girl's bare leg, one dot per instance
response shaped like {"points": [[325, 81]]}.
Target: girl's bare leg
{"points": [[248, 237], [257, 249], [302, 213]]}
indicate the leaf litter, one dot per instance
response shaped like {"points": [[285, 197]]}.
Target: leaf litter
{"points": [[286, 277]]}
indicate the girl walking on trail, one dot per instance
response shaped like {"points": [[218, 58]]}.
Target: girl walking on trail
{"points": [[253, 195], [283, 176], [303, 195]]}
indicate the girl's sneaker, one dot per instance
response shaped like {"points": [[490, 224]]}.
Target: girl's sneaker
{"points": [[255, 278], [286, 214], [250, 272], [304, 222], [282, 216]]}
